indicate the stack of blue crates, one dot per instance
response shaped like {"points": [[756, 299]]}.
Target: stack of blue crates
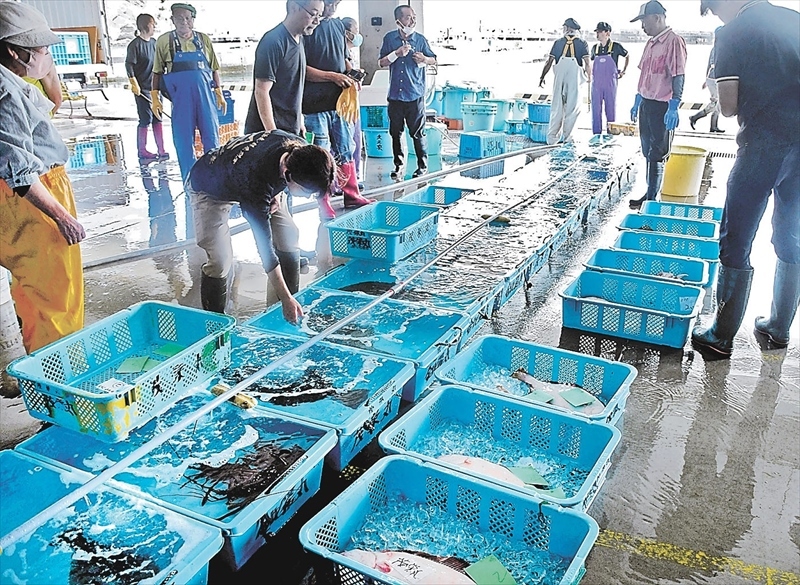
{"points": [[87, 152], [648, 288], [375, 126], [74, 49]]}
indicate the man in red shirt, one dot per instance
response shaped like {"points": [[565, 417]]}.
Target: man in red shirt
{"points": [[663, 67]]}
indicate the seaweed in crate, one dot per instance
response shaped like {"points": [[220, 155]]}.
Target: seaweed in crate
{"points": [[311, 386], [242, 481], [95, 562]]}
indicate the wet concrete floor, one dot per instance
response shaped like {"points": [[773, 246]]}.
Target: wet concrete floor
{"points": [[705, 485]]}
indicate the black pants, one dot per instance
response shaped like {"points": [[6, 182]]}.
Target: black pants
{"points": [[656, 139], [411, 114]]}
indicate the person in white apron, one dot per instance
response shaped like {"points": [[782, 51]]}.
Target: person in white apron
{"points": [[571, 56]]}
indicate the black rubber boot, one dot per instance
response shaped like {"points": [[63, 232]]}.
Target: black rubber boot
{"points": [[785, 299], [715, 123], [290, 267], [213, 293], [655, 177], [733, 291]]}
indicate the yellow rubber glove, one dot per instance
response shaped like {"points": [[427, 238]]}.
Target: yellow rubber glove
{"points": [[221, 103], [347, 104], [135, 86], [156, 104]]}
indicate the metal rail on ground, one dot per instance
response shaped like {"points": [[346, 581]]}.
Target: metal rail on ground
{"points": [[135, 255], [96, 481]]}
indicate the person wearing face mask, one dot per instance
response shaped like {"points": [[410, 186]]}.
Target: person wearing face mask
{"points": [[406, 53], [326, 80], [50, 86], [186, 68], [254, 170], [39, 232], [139, 66], [569, 53], [354, 41], [605, 72]]}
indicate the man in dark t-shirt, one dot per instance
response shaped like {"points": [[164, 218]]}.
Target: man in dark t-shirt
{"points": [[605, 73], [254, 170], [326, 68], [570, 54], [279, 71], [757, 68]]}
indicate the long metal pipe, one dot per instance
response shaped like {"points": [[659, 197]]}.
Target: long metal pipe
{"points": [[244, 226], [58, 506]]}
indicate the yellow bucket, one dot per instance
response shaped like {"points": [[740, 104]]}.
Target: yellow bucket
{"points": [[683, 173]]}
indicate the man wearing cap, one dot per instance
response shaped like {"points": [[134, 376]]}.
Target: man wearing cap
{"points": [[38, 230], [570, 53], [605, 72], [756, 67], [186, 70], [663, 66]]}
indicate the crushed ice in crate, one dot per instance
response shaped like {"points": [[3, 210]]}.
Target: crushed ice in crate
{"points": [[400, 524]]}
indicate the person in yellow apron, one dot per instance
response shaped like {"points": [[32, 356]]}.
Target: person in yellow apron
{"points": [[571, 56], [38, 230]]}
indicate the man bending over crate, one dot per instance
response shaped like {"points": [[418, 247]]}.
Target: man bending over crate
{"points": [[254, 170]]}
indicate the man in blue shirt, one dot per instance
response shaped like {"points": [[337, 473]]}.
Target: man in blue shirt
{"points": [[406, 53], [757, 60]]}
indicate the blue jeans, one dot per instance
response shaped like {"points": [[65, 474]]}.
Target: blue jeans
{"points": [[762, 167], [333, 134]]}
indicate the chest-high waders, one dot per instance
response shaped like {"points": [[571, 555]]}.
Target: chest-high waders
{"points": [[193, 103], [566, 88], [604, 89]]}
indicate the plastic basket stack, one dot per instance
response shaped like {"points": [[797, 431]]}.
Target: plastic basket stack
{"points": [[650, 286], [226, 132]]}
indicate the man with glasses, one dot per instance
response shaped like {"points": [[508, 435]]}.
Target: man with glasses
{"points": [[186, 71], [326, 72], [279, 74], [406, 53]]}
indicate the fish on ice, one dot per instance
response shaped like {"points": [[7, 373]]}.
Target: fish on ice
{"points": [[415, 568], [554, 390], [483, 467]]}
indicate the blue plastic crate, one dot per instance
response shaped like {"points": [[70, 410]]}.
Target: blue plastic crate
{"points": [[536, 131], [375, 117], [74, 49], [228, 117], [641, 309], [485, 171], [86, 153], [360, 390], [425, 336], [168, 476], [515, 127], [437, 195], [702, 248], [539, 113], [373, 278], [99, 536], [686, 211], [670, 225], [483, 144], [74, 382], [490, 358], [582, 448], [507, 515], [657, 266], [384, 230]]}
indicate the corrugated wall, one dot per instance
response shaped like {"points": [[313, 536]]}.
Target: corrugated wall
{"points": [[63, 13]]}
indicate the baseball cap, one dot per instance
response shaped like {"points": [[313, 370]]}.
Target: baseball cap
{"points": [[184, 6], [24, 26], [602, 26], [572, 23], [652, 7]]}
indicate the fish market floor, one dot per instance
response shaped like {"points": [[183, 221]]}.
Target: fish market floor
{"points": [[705, 485]]}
